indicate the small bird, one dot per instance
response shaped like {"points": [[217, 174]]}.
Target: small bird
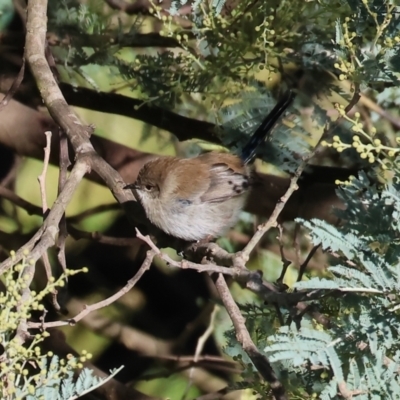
{"points": [[200, 198]]}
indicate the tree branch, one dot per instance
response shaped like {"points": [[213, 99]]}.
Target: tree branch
{"points": [[183, 128], [101, 304], [259, 360]]}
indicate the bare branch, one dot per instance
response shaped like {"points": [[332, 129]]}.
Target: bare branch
{"points": [[46, 234], [30, 208], [45, 209], [100, 238], [310, 255], [272, 221], [42, 176], [199, 348], [182, 127], [285, 262], [101, 304], [64, 164], [260, 361]]}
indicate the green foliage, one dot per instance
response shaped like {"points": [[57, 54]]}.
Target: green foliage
{"points": [[27, 372], [217, 69], [358, 41], [359, 353], [226, 52]]}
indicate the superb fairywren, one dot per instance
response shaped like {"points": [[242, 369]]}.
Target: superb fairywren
{"points": [[201, 197]]}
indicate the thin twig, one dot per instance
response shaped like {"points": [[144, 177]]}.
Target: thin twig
{"points": [[251, 280], [285, 262], [100, 238], [310, 255], [272, 220], [184, 264], [30, 208], [104, 303], [92, 211], [46, 235], [45, 209], [42, 176], [130, 338], [199, 348], [76, 233], [63, 232]]}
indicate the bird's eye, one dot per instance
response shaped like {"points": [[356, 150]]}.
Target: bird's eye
{"points": [[148, 187]]}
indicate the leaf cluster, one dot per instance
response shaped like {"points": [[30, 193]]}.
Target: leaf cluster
{"points": [[358, 354], [26, 371]]}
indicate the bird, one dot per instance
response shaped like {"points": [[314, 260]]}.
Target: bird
{"points": [[200, 198]]}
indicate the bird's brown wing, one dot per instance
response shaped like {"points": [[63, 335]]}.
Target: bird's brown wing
{"points": [[225, 183]]}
